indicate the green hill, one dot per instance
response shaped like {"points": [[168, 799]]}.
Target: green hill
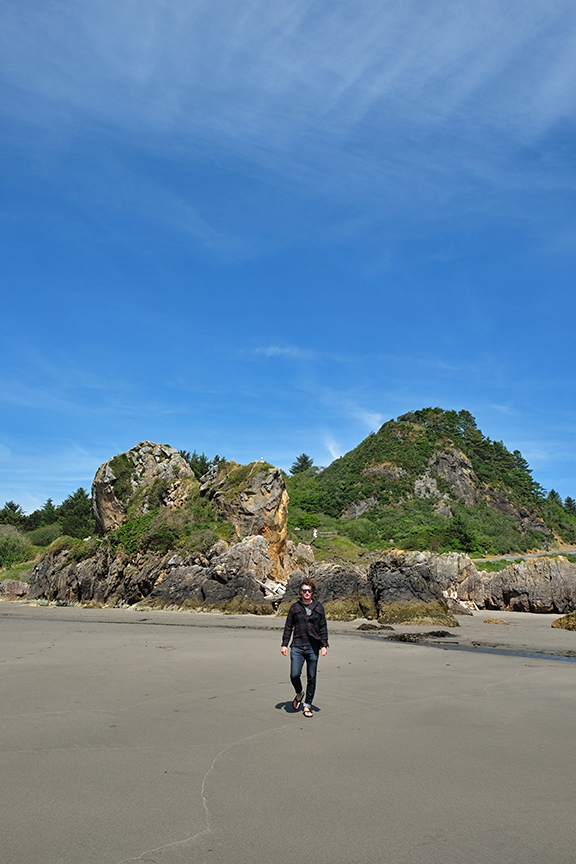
{"points": [[430, 480]]}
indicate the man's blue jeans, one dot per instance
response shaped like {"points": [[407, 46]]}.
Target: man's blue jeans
{"points": [[297, 657]]}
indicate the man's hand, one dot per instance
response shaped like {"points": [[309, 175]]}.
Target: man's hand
{"points": [[324, 651], [284, 649]]}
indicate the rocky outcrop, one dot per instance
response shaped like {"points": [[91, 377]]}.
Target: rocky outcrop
{"points": [[298, 557], [234, 581], [442, 508], [409, 587], [13, 589], [426, 486], [255, 501], [106, 578], [386, 469], [357, 508], [423, 576], [344, 591], [138, 480], [231, 580], [535, 585], [455, 469]]}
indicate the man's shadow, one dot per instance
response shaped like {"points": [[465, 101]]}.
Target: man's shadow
{"points": [[287, 707]]}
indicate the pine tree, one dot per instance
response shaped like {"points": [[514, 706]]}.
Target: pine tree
{"points": [[75, 515], [302, 463], [12, 514]]}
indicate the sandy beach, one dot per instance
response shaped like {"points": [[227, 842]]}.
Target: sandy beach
{"points": [[169, 737]]}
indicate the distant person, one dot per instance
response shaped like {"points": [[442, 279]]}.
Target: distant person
{"points": [[314, 535], [307, 620]]}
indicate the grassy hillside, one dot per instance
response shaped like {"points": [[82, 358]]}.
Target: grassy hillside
{"points": [[380, 474]]}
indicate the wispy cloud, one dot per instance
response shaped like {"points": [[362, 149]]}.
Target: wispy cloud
{"points": [[332, 447], [382, 84], [292, 352]]}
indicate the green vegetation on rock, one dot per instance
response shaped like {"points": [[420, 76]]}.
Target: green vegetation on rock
{"points": [[427, 614], [375, 486], [566, 622]]}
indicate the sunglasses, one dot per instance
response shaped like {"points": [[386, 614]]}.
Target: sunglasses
{"points": [[306, 590]]}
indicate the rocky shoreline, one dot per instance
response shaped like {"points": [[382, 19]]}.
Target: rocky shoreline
{"points": [[220, 544]]}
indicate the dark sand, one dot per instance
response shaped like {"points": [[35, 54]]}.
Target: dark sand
{"points": [[169, 738]]}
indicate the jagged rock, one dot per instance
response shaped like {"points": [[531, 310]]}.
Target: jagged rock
{"points": [[498, 500], [13, 589], [409, 586], [357, 508], [108, 578], [252, 556], [131, 478], [399, 576], [219, 548], [255, 503], [344, 591], [298, 557], [534, 585], [454, 467], [230, 583]]}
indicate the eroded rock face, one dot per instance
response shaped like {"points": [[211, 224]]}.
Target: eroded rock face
{"points": [[498, 500], [147, 468], [229, 581], [344, 591], [404, 577], [259, 506], [357, 508], [535, 585], [456, 469], [106, 578], [410, 585]]}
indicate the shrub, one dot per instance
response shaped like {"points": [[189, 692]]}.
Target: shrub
{"points": [[45, 535], [14, 546]]}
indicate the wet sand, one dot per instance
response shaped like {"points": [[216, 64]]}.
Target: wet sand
{"points": [[169, 737]]}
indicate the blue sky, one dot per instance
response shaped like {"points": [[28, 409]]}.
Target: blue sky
{"points": [[259, 228]]}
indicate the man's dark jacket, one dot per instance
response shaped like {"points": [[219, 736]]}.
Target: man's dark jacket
{"points": [[308, 629]]}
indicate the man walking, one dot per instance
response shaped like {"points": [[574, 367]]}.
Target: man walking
{"points": [[306, 618]]}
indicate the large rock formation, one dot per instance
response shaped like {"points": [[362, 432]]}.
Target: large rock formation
{"points": [[534, 585], [409, 586], [255, 501], [455, 469], [232, 580], [135, 482], [344, 591], [106, 578]]}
